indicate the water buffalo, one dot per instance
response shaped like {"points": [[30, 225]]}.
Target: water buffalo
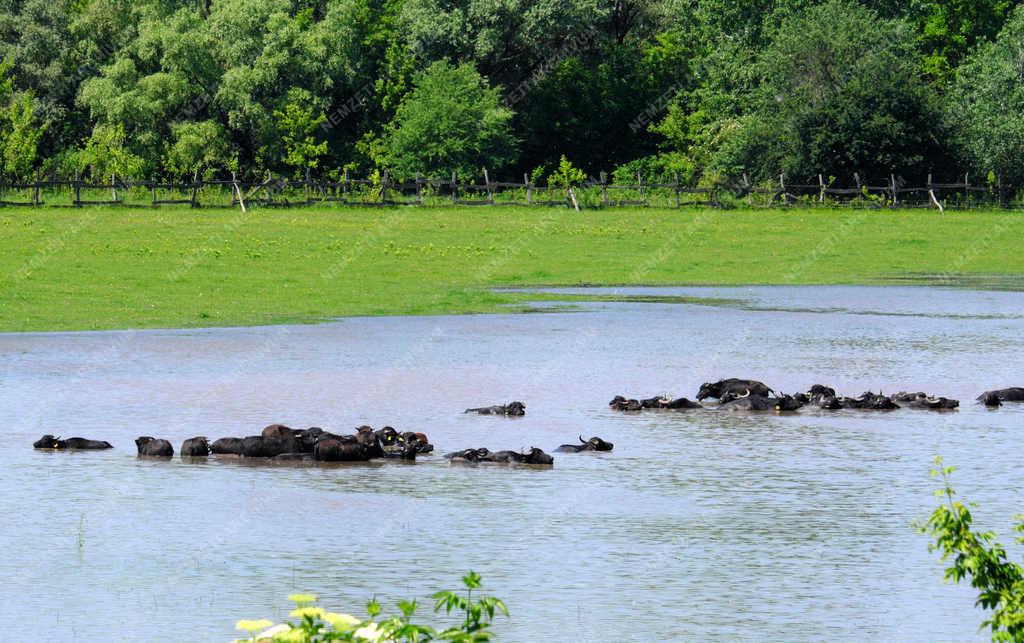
{"points": [[227, 446], [50, 442], [620, 403], [388, 436], [279, 431], [1012, 394], [533, 456], [419, 440], [336, 450], [866, 400], [400, 451], [990, 399], [510, 409], [725, 390], [153, 447], [593, 444], [921, 400], [816, 394], [197, 447], [257, 446], [469, 455], [748, 401], [666, 402]]}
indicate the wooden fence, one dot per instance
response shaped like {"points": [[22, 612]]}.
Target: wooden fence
{"points": [[383, 190]]}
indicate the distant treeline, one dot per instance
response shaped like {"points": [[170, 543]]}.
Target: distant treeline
{"points": [[694, 92]]}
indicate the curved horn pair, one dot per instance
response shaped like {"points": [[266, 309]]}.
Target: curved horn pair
{"points": [[745, 394]]}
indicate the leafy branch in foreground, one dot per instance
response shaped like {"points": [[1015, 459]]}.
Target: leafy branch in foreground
{"points": [[314, 624], [974, 555]]}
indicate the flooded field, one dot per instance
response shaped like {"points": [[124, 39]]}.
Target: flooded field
{"points": [[701, 525]]}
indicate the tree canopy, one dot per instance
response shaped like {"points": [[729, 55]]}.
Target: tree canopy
{"points": [[169, 88]]}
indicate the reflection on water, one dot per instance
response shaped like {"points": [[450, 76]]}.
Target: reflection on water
{"points": [[701, 525]]}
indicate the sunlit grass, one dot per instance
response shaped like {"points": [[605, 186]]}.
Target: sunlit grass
{"points": [[118, 268]]}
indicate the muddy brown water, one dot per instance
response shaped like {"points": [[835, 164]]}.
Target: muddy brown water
{"points": [[698, 526]]}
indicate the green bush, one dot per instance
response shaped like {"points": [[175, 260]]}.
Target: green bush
{"points": [[976, 556], [313, 624]]}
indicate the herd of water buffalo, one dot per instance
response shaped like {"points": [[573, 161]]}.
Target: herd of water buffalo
{"points": [[280, 442], [751, 395]]}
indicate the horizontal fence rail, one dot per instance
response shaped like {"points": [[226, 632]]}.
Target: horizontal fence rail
{"points": [[383, 190]]}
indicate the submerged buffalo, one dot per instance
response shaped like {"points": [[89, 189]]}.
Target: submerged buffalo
{"points": [[620, 403], [751, 402], [998, 396], [728, 389], [197, 447], [593, 444], [866, 400], [512, 409], [532, 456], [58, 444], [922, 400], [469, 455], [816, 394], [154, 447]]}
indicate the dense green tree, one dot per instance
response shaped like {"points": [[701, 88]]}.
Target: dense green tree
{"points": [[949, 29], [451, 121], [836, 91], [985, 105], [20, 129]]}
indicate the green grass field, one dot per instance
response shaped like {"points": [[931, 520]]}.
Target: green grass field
{"points": [[63, 269]]}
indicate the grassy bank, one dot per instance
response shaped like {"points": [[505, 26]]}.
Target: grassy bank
{"points": [[119, 268]]}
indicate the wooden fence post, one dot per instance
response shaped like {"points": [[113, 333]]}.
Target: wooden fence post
{"points": [[384, 188], [856, 179], [419, 190], [344, 187], [238, 191], [113, 186], [487, 185], [195, 189], [308, 191], [152, 190], [455, 192], [675, 185], [931, 193], [35, 191], [782, 186], [529, 189], [821, 187], [1002, 198], [78, 191], [895, 199]]}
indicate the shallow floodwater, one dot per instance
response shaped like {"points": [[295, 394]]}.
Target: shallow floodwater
{"points": [[698, 526]]}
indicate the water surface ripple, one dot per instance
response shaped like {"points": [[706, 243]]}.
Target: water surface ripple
{"points": [[699, 526]]}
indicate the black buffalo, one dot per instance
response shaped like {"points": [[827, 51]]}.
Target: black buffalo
{"points": [[227, 446], [532, 456], [725, 390], [816, 394], [593, 444], [1012, 394], [510, 409], [197, 447], [50, 442], [337, 450], [751, 402], [469, 455], [154, 447], [921, 400], [419, 440], [620, 403], [866, 400]]}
